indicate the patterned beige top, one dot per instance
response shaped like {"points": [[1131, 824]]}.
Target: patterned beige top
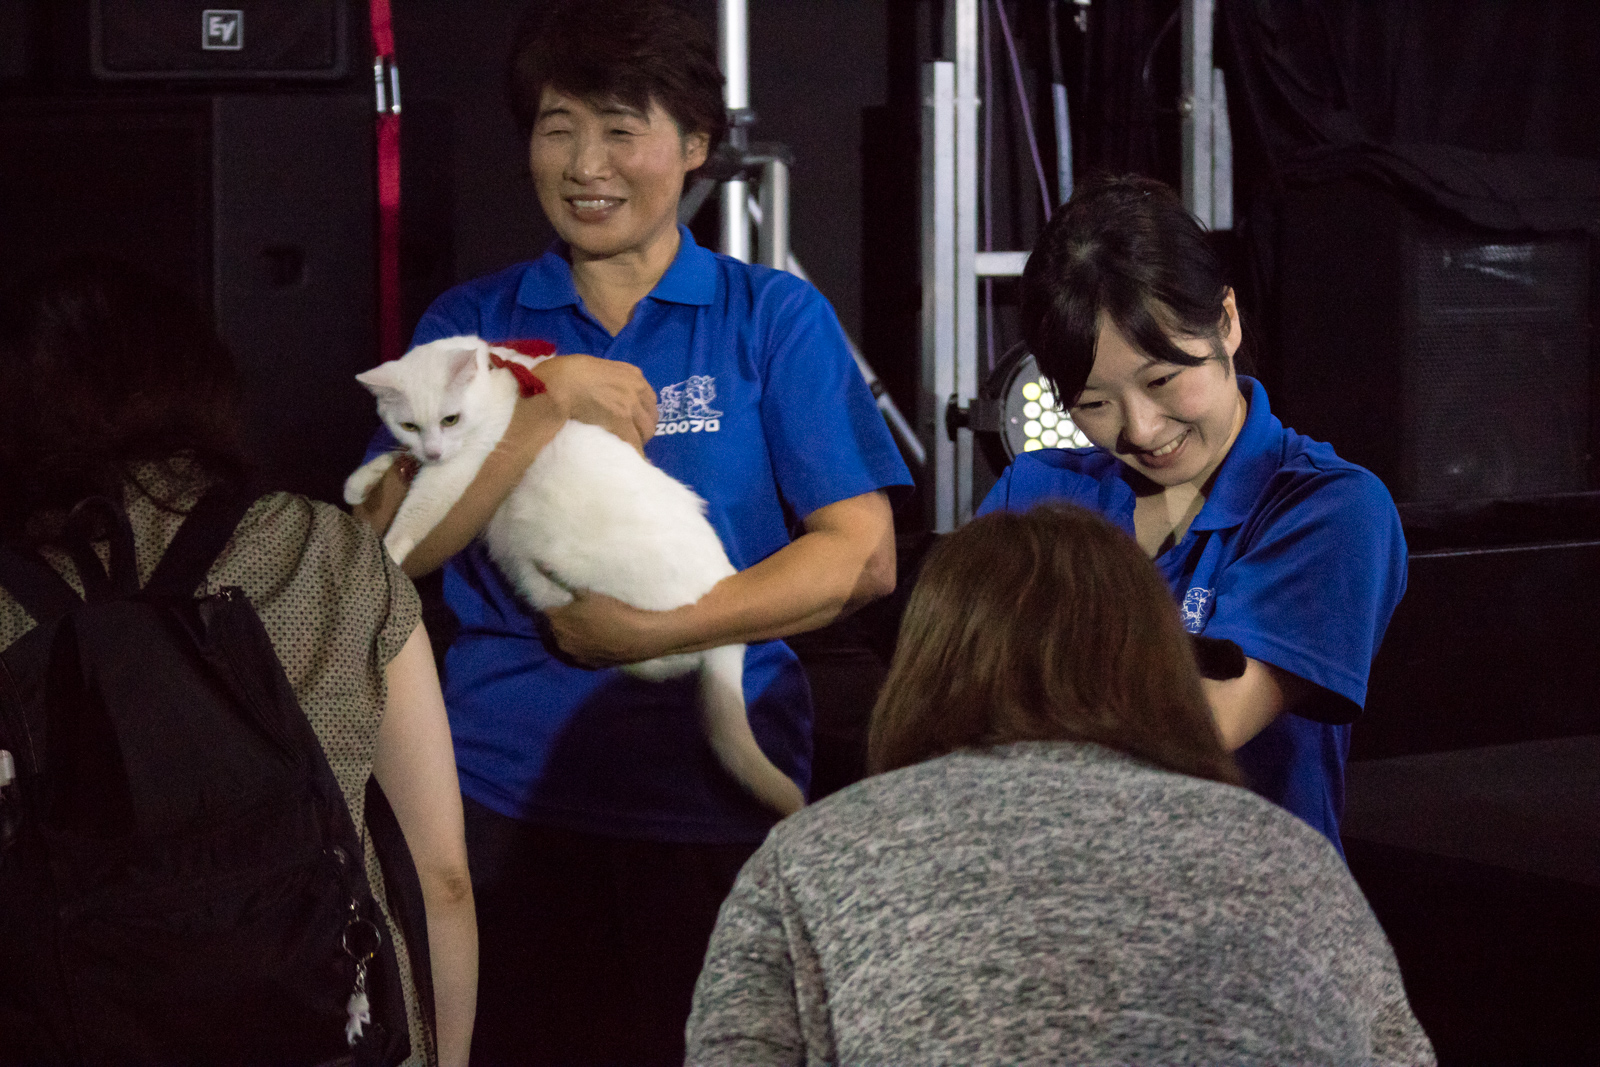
{"points": [[337, 611]]}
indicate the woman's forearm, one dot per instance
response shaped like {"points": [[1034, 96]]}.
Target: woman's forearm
{"points": [[453, 951], [415, 766], [1246, 705], [805, 586]]}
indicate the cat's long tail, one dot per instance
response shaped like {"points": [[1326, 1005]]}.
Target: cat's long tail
{"points": [[728, 729]]}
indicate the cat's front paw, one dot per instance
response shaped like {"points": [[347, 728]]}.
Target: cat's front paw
{"points": [[360, 483]]}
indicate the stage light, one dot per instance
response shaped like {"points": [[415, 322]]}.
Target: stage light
{"points": [[1017, 411]]}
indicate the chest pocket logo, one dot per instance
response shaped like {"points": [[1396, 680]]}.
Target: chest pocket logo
{"points": [[685, 407], [1196, 608]]}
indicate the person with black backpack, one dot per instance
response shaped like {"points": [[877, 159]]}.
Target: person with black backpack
{"points": [[230, 828]]}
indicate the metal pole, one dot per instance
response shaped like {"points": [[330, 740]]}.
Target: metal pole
{"points": [[1195, 107], [1221, 155], [773, 232], [938, 287], [1058, 103], [966, 383], [733, 44]]}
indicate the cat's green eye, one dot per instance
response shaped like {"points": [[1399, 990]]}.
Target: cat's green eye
{"points": [[410, 427], [449, 420]]}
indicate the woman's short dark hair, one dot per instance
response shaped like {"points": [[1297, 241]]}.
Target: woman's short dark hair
{"points": [[1125, 247], [1046, 626], [101, 369], [627, 51]]}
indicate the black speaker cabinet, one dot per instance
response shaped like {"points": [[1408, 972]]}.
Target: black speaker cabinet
{"points": [[302, 40], [261, 206], [1457, 364], [1490, 646]]}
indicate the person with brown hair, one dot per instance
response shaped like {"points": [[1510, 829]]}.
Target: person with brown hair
{"points": [[1054, 864]]}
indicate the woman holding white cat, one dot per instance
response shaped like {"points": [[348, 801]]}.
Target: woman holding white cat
{"points": [[602, 834]]}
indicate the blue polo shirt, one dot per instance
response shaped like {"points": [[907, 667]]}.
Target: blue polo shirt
{"points": [[763, 413], [1296, 555]]}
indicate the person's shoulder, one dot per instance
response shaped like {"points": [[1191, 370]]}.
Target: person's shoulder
{"points": [[759, 276], [280, 506], [289, 531], [504, 280], [776, 308], [1302, 453], [1227, 832], [1070, 475], [767, 290], [1092, 463], [463, 307], [864, 811], [1313, 474], [1203, 825], [1283, 856]]}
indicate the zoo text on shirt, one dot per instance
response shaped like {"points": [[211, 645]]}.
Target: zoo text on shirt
{"points": [[685, 407]]}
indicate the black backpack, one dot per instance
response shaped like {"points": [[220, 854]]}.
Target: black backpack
{"points": [[180, 878]]}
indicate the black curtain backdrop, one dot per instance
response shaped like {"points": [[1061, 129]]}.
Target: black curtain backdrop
{"points": [[1482, 108]]}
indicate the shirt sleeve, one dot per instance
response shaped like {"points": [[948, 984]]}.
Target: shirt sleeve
{"points": [[745, 1011], [452, 314], [999, 496], [1313, 591], [826, 437]]}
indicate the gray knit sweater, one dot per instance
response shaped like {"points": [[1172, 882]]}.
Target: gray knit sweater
{"points": [[1048, 903]]}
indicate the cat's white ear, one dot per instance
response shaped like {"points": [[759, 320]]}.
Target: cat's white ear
{"points": [[466, 362], [382, 380]]}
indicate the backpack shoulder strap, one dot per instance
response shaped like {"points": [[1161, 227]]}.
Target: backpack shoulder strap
{"points": [[199, 541], [121, 576], [35, 585]]}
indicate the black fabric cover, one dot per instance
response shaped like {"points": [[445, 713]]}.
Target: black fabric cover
{"points": [[1483, 108]]}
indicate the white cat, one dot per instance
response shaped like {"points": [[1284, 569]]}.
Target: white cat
{"points": [[589, 514]]}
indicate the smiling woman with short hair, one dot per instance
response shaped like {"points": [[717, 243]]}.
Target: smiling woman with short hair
{"points": [[602, 833]]}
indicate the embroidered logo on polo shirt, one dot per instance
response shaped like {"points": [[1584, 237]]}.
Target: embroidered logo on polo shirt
{"points": [[1196, 608], [686, 406]]}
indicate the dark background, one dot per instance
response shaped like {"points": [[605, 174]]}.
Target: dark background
{"points": [[1371, 140]]}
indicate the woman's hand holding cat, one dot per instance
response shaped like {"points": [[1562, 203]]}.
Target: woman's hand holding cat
{"points": [[605, 392], [600, 631]]}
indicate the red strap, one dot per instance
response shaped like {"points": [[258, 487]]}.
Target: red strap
{"points": [[382, 29], [528, 383], [529, 346], [390, 343]]}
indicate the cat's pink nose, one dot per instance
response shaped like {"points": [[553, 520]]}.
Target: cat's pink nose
{"points": [[433, 454]]}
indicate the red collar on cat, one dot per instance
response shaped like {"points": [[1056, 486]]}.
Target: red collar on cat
{"points": [[527, 382]]}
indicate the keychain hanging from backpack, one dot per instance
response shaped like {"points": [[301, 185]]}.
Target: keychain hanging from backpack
{"points": [[366, 940]]}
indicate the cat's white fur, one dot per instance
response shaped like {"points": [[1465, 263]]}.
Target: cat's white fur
{"points": [[590, 513]]}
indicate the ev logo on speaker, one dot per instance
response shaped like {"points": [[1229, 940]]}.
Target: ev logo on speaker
{"points": [[221, 30]]}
